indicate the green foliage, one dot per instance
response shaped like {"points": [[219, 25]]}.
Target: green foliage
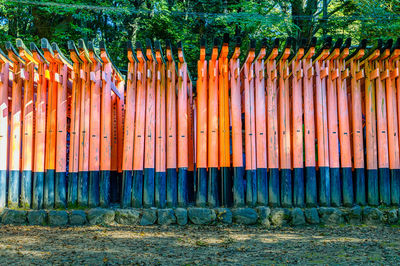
{"points": [[117, 21]]}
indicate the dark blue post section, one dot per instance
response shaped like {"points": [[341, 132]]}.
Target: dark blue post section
{"points": [[83, 178], [148, 187], [238, 189], [172, 191], [262, 186], [395, 186], [273, 187], [161, 189], [213, 187], [298, 187], [384, 186], [72, 188], [3, 188], [126, 191], [372, 187], [347, 184], [104, 195], [286, 187], [48, 196], [226, 187], [335, 187], [190, 188], [324, 186], [26, 188], [116, 186], [94, 187], [61, 190], [311, 186], [182, 187], [359, 177], [137, 188], [13, 189], [251, 187], [201, 196]]}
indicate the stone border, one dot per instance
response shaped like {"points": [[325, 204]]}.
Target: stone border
{"points": [[264, 216]]}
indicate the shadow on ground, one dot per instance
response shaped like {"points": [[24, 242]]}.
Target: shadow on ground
{"points": [[199, 245]]}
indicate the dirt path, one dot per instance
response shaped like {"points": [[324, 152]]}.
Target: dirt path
{"points": [[199, 245]]}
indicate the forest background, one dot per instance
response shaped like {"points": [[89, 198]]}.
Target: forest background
{"points": [[117, 21]]}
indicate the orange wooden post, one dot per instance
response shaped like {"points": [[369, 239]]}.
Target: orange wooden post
{"points": [[182, 130], [27, 74], [382, 125], [201, 141], [260, 126], [138, 155], [371, 134], [5, 68], [212, 159], [111, 118], [64, 66], [321, 113], [285, 192], [129, 128], [333, 126], [15, 134], [236, 118], [250, 141], [344, 126], [84, 127], [149, 148], [191, 163], [115, 182], [309, 126], [393, 132], [224, 131], [357, 122], [297, 128], [74, 127], [172, 193], [272, 124], [160, 162]]}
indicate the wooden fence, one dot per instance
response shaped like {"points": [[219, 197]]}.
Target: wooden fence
{"points": [[284, 127]]}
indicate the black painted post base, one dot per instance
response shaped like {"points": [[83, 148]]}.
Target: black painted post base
{"points": [[238, 187], [262, 186], [48, 193], [324, 186], [137, 188], [126, 191], [395, 186], [311, 186], [286, 187], [26, 189], [37, 195], [83, 184], [251, 187], [160, 189], [298, 187], [60, 199], [201, 194], [213, 187], [182, 187], [104, 187], [72, 199], [384, 186], [372, 187], [226, 187], [359, 186], [148, 187], [190, 187], [273, 187], [172, 188], [335, 187], [94, 187], [347, 185]]}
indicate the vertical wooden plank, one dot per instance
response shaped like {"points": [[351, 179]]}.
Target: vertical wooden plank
{"points": [[213, 147], [172, 192], [182, 112], [5, 68], [260, 126], [236, 117]]}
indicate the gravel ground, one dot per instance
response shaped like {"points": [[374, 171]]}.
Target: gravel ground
{"points": [[208, 245]]}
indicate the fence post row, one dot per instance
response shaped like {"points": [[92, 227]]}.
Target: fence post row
{"points": [[284, 128]]}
